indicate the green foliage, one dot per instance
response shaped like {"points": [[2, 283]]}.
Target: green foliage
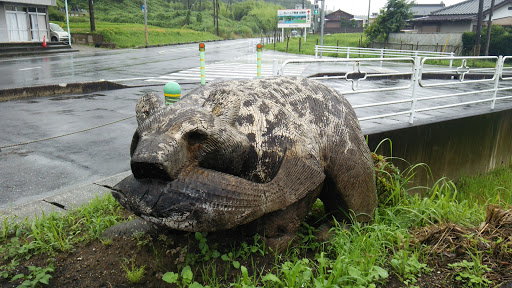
{"points": [[50, 234], [36, 277], [500, 41], [471, 273], [134, 274], [131, 35], [56, 15], [493, 187], [392, 18], [247, 18], [186, 278], [407, 266], [308, 46]]}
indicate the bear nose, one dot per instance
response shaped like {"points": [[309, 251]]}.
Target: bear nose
{"points": [[145, 170]]}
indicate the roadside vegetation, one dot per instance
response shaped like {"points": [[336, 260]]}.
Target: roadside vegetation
{"points": [[449, 235], [116, 20], [291, 45], [132, 35]]}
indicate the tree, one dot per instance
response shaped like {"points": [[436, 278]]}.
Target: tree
{"points": [[343, 24], [392, 18]]}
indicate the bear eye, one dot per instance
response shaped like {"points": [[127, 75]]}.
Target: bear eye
{"points": [[196, 137]]}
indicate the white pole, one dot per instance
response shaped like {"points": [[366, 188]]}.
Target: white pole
{"points": [[146, 22], [322, 14], [67, 22]]}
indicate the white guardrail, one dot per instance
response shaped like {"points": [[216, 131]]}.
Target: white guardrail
{"points": [[380, 53], [420, 83]]}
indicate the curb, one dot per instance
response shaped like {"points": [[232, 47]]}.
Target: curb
{"points": [[58, 89], [64, 201]]}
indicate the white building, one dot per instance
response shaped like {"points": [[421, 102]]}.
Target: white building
{"points": [[24, 20]]}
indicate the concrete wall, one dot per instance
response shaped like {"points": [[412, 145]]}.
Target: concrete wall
{"points": [[455, 27], [466, 146], [85, 38], [502, 12]]}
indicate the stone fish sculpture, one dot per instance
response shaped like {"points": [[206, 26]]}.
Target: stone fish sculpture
{"points": [[252, 151]]}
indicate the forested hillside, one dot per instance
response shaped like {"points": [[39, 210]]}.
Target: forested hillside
{"points": [[236, 18]]}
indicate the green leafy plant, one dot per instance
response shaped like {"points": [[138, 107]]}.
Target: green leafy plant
{"points": [[186, 278], [37, 276], [407, 265], [134, 274], [471, 273]]}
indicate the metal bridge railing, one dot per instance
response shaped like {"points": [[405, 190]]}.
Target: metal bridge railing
{"points": [[357, 52], [419, 85]]}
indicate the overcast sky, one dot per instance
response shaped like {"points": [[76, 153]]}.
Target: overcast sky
{"points": [[360, 7]]}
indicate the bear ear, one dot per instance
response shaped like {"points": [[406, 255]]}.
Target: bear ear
{"points": [[146, 106], [224, 105]]}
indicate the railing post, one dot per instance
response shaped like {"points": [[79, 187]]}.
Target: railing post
{"points": [[202, 63], [275, 68], [415, 79], [451, 60], [259, 49], [348, 52], [499, 68], [381, 55], [316, 51]]}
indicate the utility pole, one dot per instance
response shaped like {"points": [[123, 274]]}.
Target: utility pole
{"points": [[91, 16], [146, 22], [368, 20], [218, 9], [322, 19], [479, 27], [489, 26], [214, 8]]}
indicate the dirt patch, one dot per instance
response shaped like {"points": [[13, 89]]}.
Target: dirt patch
{"points": [[490, 244]]}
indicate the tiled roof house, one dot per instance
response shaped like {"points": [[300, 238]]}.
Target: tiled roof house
{"points": [[462, 17]]}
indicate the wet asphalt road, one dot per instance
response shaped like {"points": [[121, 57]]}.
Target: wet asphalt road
{"points": [[41, 169], [119, 64]]}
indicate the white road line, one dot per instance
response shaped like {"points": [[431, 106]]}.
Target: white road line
{"points": [[223, 71], [24, 69], [130, 79]]}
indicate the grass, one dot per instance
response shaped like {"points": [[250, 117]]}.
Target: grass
{"points": [[354, 255], [126, 35], [354, 40], [308, 47]]}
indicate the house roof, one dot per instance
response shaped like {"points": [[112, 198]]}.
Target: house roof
{"points": [[469, 7], [425, 9], [437, 18], [336, 15], [466, 10]]}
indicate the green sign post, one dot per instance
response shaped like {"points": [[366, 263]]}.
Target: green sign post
{"points": [[201, 56]]}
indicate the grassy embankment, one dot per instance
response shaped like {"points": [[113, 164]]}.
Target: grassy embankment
{"points": [[408, 243], [126, 35]]}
